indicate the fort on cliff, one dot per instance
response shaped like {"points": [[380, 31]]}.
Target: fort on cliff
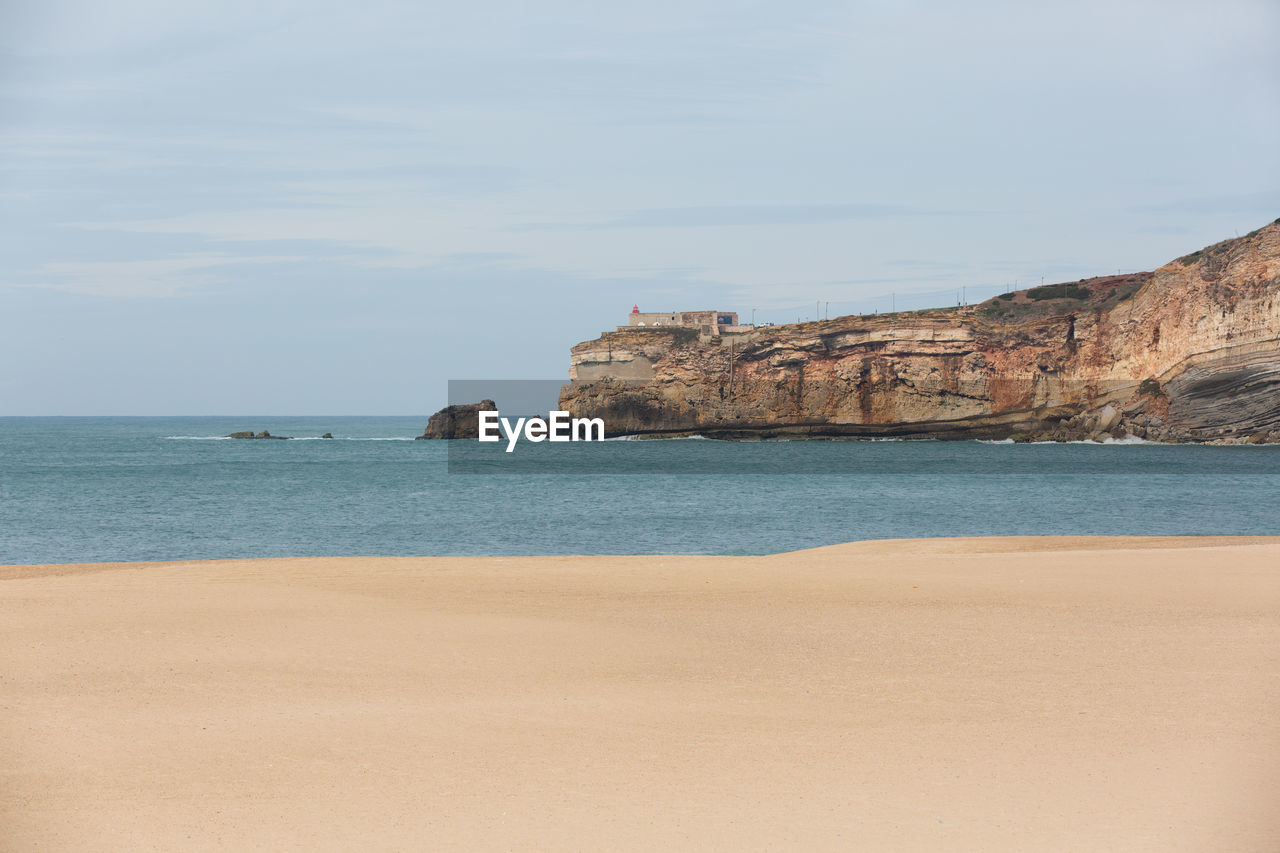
{"points": [[1188, 352], [706, 322]]}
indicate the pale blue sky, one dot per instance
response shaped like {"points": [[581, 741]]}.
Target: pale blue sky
{"points": [[244, 208]]}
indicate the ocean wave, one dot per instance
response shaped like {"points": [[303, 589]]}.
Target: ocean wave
{"points": [[1128, 439], [1107, 441], [290, 438]]}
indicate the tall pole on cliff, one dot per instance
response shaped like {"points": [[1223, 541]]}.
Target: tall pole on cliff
{"points": [[753, 318]]}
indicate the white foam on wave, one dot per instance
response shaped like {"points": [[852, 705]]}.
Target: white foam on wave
{"points": [[291, 438], [1108, 441], [660, 438], [1128, 439]]}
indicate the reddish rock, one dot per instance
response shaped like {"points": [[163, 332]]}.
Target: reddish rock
{"points": [[1192, 348]]}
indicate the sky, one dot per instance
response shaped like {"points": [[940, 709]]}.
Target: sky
{"points": [[314, 208]]}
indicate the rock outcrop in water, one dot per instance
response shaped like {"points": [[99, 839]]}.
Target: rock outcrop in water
{"points": [[457, 421], [1189, 352], [263, 434]]}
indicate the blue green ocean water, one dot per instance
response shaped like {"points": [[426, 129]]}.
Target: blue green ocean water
{"points": [[105, 489]]}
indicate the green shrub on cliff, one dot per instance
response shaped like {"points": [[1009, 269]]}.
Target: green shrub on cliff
{"points": [[1058, 291]]}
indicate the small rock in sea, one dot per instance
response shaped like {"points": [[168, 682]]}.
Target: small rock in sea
{"points": [[327, 435], [263, 434]]}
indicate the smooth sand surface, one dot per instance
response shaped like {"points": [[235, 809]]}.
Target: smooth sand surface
{"points": [[1012, 694]]}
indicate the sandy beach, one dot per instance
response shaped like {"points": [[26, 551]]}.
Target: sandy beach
{"points": [[999, 694]]}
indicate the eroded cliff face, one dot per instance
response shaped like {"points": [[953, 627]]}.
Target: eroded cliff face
{"points": [[1188, 352]]}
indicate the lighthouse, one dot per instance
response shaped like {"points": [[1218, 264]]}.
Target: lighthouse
{"points": [[635, 309]]}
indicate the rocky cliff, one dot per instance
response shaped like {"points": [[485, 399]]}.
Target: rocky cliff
{"points": [[460, 420], [1190, 352]]}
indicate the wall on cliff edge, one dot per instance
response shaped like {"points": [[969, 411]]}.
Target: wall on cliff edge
{"points": [[1190, 351]]}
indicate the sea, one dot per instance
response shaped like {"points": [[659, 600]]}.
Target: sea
{"points": [[83, 489]]}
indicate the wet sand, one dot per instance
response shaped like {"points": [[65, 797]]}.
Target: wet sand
{"points": [[1007, 694]]}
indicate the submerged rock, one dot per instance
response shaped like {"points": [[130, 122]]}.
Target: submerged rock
{"points": [[457, 421]]}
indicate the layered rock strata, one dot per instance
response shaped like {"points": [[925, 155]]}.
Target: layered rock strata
{"points": [[1189, 352]]}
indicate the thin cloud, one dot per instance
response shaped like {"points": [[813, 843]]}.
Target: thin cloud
{"points": [[1264, 203], [722, 216], [136, 279]]}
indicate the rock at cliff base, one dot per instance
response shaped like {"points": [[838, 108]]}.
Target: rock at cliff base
{"points": [[457, 421]]}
